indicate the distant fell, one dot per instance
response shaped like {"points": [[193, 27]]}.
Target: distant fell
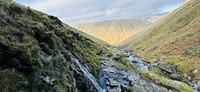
{"points": [[152, 17], [113, 31]]}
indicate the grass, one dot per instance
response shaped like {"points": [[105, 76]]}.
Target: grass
{"points": [[165, 82], [13, 79], [122, 62], [172, 38], [39, 42], [150, 75], [90, 37]]}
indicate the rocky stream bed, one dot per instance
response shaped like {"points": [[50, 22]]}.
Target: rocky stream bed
{"points": [[115, 79], [112, 78]]}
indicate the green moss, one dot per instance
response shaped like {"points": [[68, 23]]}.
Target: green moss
{"points": [[40, 42], [165, 82], [192, 51], [175, 38], [122, 62], [11, 81], [150, 75], [132, 89]]}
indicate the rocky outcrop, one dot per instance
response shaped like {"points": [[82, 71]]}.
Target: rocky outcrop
{"points": [[113, 31], [169, 68]]}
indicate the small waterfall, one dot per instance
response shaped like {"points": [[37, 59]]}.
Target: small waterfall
{"points": [[87, 74]]}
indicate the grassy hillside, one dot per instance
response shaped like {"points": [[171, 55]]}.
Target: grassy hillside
{"points": [[174, 39], [33, 46], [103, 43], [113, 31]]}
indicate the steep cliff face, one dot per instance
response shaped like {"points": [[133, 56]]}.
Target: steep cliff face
{"points": [[34, 52], [174, 39], [113, 31]]}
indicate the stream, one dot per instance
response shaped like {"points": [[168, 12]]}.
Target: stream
{"points": [[135, 60], [112, 78], [115, 79]]}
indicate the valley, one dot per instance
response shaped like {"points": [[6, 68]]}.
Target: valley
{"points": [[174, 39], [40, 53]]}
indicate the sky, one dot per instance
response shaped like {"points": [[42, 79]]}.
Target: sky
{"points": [[78, 11]]}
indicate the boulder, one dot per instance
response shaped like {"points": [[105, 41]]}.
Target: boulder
{"points": [[156, 61], [114, 82], [169, 68], [195, 71], [189, 78], [175, 76], [198, 82], [48, 79], [154, 65]]}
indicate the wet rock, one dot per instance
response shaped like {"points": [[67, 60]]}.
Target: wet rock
{"points": [[110, 69], [195, 71], [48, 79], [189, 78], [107, 82], [156, 61], [124, 88], [198, 82], [113, 89], [169, 68], [173, 90], [137, 61], [175, 76], [198, 89], [113, 82], [154, 65], [120, 80]]}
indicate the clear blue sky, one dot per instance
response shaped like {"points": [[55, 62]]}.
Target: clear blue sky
{"points": [[77, 11]]}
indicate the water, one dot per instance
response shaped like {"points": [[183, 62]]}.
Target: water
{"points": [[136, 61], [88, 74], [115, 79]]}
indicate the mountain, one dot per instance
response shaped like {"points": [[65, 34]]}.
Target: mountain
{"points": [[37, 52], [113, 31], [174, 39], [152, 17]]}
